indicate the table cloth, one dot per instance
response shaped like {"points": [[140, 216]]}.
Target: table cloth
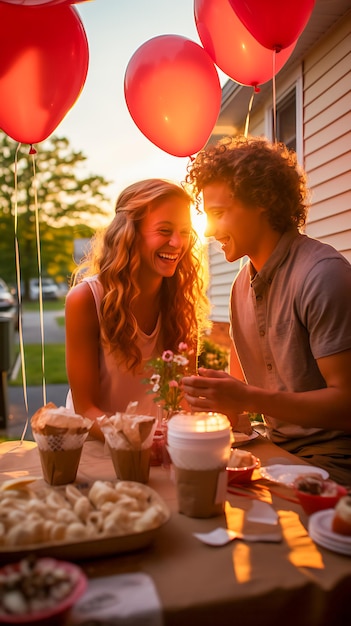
{"points": [[294, 582]]}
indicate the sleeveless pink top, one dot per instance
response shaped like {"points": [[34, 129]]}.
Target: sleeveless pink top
{"points": [[118, 386]]}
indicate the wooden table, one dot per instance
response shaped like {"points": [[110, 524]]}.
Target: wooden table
{"points": [[294, 582]]}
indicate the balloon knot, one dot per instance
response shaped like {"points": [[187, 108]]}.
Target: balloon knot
{"points": [[32, 150], [277, 48], [192, 158], [256, 89]]}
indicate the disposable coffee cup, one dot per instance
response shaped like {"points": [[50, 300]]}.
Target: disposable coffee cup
{"points": [[199, 447]]}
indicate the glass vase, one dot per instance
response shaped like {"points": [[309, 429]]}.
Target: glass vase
{"points": [[159, 452]]}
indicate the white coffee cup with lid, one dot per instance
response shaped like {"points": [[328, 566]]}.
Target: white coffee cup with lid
{"points": [[199, 445]]}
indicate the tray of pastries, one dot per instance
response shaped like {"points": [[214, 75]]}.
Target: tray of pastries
{"points": [[77, 521]]}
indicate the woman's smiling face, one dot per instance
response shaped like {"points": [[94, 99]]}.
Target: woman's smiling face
{"points": [[164, 237]]}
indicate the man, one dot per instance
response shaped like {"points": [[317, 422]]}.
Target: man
{"points": [[290, 305]]}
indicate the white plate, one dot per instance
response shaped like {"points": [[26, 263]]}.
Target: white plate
{"points": [[240, 438], [286, 474], [319, 529]]}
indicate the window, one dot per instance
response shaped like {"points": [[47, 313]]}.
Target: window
{"points": [[289, 116], [286, 121]]}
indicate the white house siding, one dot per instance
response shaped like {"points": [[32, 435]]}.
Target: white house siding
{"points": [[222, 276], [327, 137], [326, 154]]}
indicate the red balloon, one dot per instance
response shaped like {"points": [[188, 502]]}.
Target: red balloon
{"points": [[173, 93], [32, 3], [275, 24], [43, 66], [232, 47]]}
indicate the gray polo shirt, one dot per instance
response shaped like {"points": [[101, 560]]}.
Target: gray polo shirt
{"points": [[295, 310]]}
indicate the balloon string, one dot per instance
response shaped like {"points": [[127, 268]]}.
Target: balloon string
{"points": [[19, 296], [41, 315], [274, 98], [255, 89]]}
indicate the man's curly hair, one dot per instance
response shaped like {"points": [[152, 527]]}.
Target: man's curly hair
{"points": [[259, 173]]}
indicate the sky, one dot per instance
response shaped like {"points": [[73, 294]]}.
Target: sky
{"points": [[99, 124]]}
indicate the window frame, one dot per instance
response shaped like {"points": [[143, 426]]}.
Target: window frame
{"points": [[282, 97]]}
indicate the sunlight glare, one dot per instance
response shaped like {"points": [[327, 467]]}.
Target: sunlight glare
{"points": [[199, 221]]}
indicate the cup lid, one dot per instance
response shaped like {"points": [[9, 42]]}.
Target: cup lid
{"points": [[199, 423]]}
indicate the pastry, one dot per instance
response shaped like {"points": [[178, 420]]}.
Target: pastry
{"points": [[240, 458], [341, 522], [60, 435], [316, 485]]}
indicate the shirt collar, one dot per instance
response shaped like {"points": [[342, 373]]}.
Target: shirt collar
{"points": [[276, 259]]}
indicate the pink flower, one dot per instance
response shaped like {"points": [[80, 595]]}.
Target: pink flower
{"points": [[167, 356], [182, 347], [181, 360], [173, 383]]}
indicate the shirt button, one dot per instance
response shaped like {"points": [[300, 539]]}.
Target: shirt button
{"points": [[269, 366], [262, 333], [258, 298]]}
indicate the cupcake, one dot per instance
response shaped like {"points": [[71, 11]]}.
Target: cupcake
{"points": [[341, 522], [60, 435]]}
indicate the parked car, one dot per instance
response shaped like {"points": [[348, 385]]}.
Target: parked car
{"points": [[50, 290], [9, 303]]}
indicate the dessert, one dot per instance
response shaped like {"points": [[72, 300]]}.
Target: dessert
{"points": [[316, 493], [316, 485], [341, 522], [60, 435], [129, 438], [39, 590], [34, 515], [243, 424], [241, 458], [241, 466]]}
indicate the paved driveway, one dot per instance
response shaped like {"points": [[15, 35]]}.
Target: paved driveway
{"points": [[53, 333]]}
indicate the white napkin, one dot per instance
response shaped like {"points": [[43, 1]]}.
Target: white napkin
{"points": [[115, 600], [262, 512]]}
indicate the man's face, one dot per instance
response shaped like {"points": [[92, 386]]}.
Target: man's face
{"points": [[236, 226]]}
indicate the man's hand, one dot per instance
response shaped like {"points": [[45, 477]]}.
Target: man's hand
{"points": [[214, 390]]}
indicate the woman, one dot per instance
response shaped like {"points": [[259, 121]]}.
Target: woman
{"points": [[139, 292]]}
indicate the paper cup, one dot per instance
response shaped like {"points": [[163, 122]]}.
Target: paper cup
{"points": [[199, 447], [59, 456], [201, 493], [131, 464]]}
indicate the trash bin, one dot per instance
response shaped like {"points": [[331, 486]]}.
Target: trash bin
{"points": [[7, 354], [7, 342]]}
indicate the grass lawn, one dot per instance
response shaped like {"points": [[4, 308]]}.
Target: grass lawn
{"points": [[48, 305], [54, 360], [54, 354]]}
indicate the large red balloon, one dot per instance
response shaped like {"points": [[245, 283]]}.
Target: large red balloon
{"points": [[43, 66], [232, 47], [173, 93], [275, 24], [32, 3]]}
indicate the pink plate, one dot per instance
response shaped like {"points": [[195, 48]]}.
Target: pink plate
{"points": [[55, 614]]}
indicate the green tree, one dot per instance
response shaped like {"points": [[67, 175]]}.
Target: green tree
{"points": [[70, 205]]}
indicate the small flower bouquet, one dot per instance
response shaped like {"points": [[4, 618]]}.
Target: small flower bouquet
{"points": [[168, 370]]}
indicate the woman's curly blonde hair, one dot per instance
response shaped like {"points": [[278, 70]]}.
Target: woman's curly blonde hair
{"points": [[259, 173], [113, 255]]}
